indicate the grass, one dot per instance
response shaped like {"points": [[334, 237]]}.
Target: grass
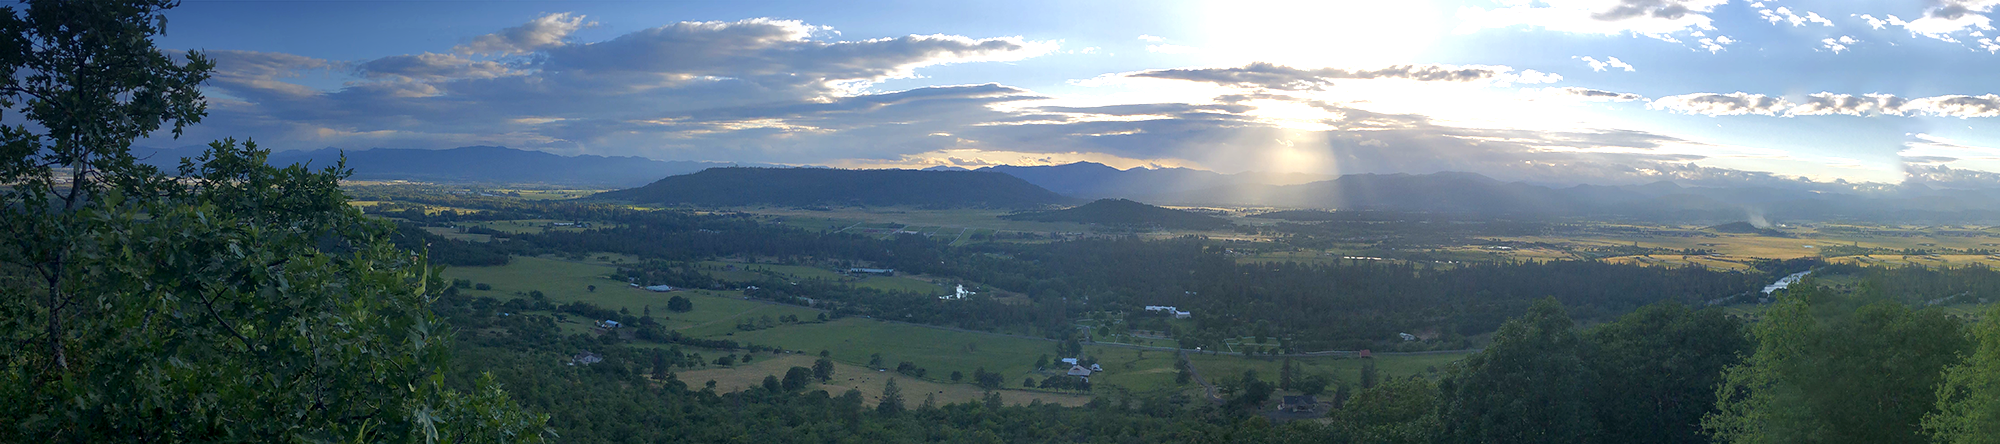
{"points": [[869, 382], [564, 281], [853, 340]]}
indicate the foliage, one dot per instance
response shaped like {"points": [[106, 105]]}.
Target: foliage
{"points": [[1825, 371], [237, 302], [1657, 370], [1530, 385], [1968, 408]]}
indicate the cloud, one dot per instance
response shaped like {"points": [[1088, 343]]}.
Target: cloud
{"points": [[1658, 19], [1279, 77], [775, 53], [1943, 19], [1825, 103], [1715, 45], [1731, 104], [1784, 14], [1170, 49], [1593, 95], [1608, 62], [1152, 38], [1837, 44], [544, 32], [430, 66]]}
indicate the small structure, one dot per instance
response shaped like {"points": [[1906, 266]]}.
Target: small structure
{"points": [[585, 358], [607, 324], [1407, 336], [660, 288], [1078, 370], [1364, 354], [1299, 404], [1169, 309], [1070, 361], [1096, 368], [960, 294], [873, 271]]}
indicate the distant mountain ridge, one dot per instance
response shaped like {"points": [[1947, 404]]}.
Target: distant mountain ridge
{"points": [[1125, 213], [472, 164], [1474, 194], [1095, 180], [719, 187]]}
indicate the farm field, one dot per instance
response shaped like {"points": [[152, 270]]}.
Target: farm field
{"points": [[868, 381], [715, 312], [854, 340]]}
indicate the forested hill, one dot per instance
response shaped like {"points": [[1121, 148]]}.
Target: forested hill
{"points": [[822, 186], [1121, 212]]}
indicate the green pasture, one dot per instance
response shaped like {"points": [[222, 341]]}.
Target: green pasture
{"points": [[853, 340]]}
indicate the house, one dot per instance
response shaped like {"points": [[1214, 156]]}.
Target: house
{"points": [[873, 271], [1299, 404], [1078, 370], [1160, 308], [1070, 361], [1364, 354], [1096, 368], [585, 358], [961, 294], [1407, 336], [1182, 314], [660, 288], [607, 323]]}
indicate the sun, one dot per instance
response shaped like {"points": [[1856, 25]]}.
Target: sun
{"points": [[1306, 33]]}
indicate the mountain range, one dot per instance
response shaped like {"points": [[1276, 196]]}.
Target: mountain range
{"points": [[809, 187], [472, 165], [1031, 186]]}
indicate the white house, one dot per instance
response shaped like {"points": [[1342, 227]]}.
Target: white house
{"points": [[961, 294], [607, 323], [661, 288], [1096, 368], [1182, 314], [1070, 361], [1169, 309], [1407, 336], [1078, 370]]}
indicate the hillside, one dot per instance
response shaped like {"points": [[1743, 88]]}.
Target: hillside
{"points": [[822, 186], [472, 165], [1121, 212]]}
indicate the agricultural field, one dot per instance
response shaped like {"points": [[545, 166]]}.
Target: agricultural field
{"points": [[868, 381], [939, 351]]}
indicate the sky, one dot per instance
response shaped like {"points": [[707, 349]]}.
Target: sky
{"points": [[1700, 92]]}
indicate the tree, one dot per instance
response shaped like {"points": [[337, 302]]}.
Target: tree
{"points": [[798, 378], [1657, 370], [892, 399], [235, 302], [955, 376], [771, 384], [1529, 385], [590, 288], [1968, 409], [1368, 375], [1253, 392], [1827, 372], [1397, 411], [1313, 385], [680, 304], [823, 369], [1285, 375]]}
